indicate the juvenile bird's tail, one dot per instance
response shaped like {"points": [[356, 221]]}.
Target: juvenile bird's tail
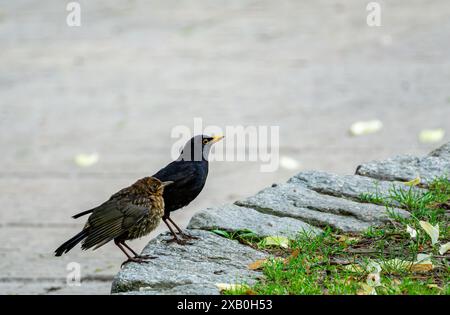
{"points": [[76, 216], [64, 248]]}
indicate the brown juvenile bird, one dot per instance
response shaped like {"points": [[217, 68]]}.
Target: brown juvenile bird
{"points": [[131, 213]]}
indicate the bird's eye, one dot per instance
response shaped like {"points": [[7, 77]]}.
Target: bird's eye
{"points": [[205, 141]]}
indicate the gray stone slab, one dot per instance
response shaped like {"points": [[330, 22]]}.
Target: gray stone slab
{"points": [[210, 259], [406, 167], [233, 217], [442, 152], [188, 289], [293, 200], [348, 186]]}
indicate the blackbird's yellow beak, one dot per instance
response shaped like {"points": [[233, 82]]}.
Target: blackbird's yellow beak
{"points": [[167, 183], [217, 139]]}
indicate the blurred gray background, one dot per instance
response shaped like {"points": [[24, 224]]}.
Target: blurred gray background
{"points": [[118, 84]]}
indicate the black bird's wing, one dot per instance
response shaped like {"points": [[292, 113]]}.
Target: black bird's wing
{"points": [[176, 171], [189, 178], [111, 220]]}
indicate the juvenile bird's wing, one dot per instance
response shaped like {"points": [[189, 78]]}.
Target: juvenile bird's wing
{"points": [[112, 219]]}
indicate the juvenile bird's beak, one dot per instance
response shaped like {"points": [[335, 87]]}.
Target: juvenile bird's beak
{"points": [[167, 183], [217, 139]]}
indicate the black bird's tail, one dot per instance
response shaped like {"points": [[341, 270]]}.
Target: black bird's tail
{"points": [[64, 248]]}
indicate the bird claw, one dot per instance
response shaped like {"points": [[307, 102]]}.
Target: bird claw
{"points": [[137, 259], [178, 241], [188, 236], [145, 257]]}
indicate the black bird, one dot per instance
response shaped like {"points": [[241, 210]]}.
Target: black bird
{"points": [[131, 213], [188, 174]]}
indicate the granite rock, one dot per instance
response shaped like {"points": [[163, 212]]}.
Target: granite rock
{"points": [[406, 167], [297, 201], [346, 186], [233, 217], [442, 152], [180, 268]]}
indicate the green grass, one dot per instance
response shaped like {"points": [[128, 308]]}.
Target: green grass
{"points": [[336, 263]]}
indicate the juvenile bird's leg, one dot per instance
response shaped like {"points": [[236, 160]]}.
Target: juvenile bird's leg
{"points": [[175, 237], [136, 255], [183, 234], [130, 259]]}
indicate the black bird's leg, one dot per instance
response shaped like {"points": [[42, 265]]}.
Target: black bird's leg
{"points": [[175, 237], [130, 259], [136, 255], [184, 235]]}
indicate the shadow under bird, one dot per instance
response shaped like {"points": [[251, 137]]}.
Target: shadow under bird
{"points": [[131, 213]]}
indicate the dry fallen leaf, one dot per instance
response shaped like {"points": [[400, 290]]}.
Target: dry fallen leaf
{"points": [[280, 241], [434, 286], [366, 290], [345, 238], [258, 264], [360, 128], [230, 286], [422, 267], [354, 268], [396, 282], [422, 264], [414, 182], [432, 231], [292, 256]]}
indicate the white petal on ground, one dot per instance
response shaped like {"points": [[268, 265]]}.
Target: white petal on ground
{"points": [[360, 128], [432, 231], [411, 231], [431, 135], [423, 258], [444, 248], [374, 279], [86, 160], [289, 163]]}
